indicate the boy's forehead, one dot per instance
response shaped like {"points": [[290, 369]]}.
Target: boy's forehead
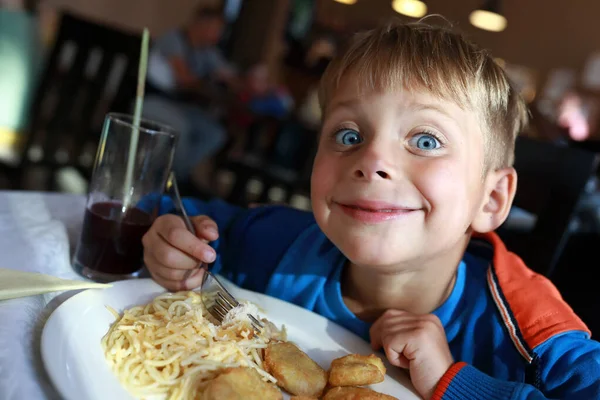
{"points": [[352, 93]]}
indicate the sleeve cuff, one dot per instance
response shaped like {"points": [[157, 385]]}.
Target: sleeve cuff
{"points": [[463, 381], [166, 205]]}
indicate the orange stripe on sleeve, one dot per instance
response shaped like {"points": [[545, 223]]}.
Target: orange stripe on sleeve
{"points": [[445, 381], [512, 330], [536, 304]]}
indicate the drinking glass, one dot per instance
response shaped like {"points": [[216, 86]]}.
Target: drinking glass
{"points": [[118, 213]]}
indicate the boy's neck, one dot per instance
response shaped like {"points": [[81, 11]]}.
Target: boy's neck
{"points": [[418, 290]]}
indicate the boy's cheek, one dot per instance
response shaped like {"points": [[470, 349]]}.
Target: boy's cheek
{"points": [[323, 178]]}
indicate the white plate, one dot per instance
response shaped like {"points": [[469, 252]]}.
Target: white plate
{"points": [[73, 356]]}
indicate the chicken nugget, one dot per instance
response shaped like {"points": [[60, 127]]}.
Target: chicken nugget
{"points": [[295, 371], [355, 393], [242, 383], [356, 370], [303, 398]]}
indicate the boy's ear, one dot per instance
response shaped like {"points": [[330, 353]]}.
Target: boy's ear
{"points": [[500, 187]]}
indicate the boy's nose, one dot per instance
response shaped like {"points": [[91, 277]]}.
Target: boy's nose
{"points": [[373, 166], [363, 173]]}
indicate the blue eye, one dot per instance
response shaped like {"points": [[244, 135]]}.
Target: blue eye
{"points": [[425, 141], [348, 137]]}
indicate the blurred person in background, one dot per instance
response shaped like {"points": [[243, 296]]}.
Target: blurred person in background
{"points": [[258, 98], [262, 96], [186, 74], [577, 116]]}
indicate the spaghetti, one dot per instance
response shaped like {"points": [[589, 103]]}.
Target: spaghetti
{"points": [[170, 348]]}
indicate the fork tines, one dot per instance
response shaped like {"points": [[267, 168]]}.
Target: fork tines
{"points": [[224, 303]]}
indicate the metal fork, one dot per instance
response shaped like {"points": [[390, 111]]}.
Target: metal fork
{"points": [[223, 300]]}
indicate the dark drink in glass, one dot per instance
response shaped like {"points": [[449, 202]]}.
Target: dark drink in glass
{"points": [[121, 206], [111, 242]]}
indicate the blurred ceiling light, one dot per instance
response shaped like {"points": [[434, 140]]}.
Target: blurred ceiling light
{"points": [[346, 1], [488, 17], [411, 8]]}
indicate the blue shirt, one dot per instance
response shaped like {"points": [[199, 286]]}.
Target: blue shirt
{"points": [[282, 252]]}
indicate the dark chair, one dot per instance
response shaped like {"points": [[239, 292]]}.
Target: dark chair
{"points": [[551, 181], [90, 71]]}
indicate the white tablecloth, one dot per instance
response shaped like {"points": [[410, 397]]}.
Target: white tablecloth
{"points": [[38, 233]]}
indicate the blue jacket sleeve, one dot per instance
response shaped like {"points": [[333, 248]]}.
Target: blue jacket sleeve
{"points": [[220, 211], [570, 369]]}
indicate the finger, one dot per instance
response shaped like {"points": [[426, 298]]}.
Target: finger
{"points": [[152, 238], [150, 260], [168, 221], [171, 274], [403, 343], [195, 279], [205, 227], [390, 333], [172, 229], [405, 322], [394, 343], [392, 312], [388, 319], [173, 286], [397, 359], [188, 244], [375, 334], [168, 256]]}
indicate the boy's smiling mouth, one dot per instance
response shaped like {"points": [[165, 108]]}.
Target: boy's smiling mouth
{"points": [[373, 211]]}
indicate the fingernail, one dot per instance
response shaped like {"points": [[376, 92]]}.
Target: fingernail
{"points": [[211, 229], [209, 255]]}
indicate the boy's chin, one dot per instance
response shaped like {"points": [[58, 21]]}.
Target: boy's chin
{"points": [[376, 258]]}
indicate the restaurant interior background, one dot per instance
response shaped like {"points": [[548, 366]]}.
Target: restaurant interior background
{"points": [[550, 49]]}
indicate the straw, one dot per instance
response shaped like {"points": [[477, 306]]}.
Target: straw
{"points": [[137, 115]]}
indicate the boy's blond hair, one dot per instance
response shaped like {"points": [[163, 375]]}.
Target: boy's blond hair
{"points": [[418, 56]]}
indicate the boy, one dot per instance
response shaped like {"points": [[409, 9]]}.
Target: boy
{"points": [[412, 175]]}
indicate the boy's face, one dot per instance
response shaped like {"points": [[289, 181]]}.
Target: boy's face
{"points": [[398, 176]]}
